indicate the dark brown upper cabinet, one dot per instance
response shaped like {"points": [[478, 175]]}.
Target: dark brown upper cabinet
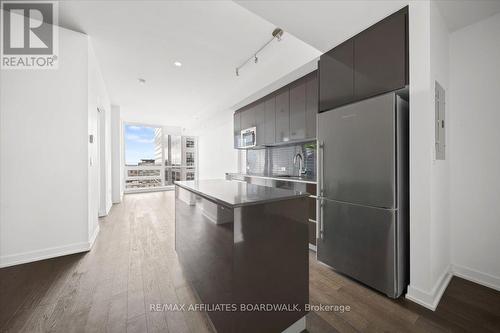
{"points": [[336, 76], [298, 109], [237, 129], [248, 117], [380, 57], [269, 120], [311, 104], [371, 63], [283, 116], [260, 118], [286, 115]]}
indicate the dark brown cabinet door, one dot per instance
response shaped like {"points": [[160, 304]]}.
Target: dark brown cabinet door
{"points": [[311, 105], [269, 121], [312, 232], [283, 116], [336, 76], [312, 208], [237, 129], [380, 57], [260, 118], [298, 110], [248, 117]]}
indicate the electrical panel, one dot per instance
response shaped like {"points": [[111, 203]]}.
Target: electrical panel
{"points": [[440, 123]]}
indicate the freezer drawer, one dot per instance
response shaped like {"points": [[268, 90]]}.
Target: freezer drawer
{"points": [[360, 242], [359, 152]]}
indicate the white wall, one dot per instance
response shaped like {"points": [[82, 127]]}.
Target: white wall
{"points": [[43, 173], [420, 149], [116, 155], [440, 215], [99, 196], [429, 186], [474, 151], [49, 174], [455, 223], [216, 153]]}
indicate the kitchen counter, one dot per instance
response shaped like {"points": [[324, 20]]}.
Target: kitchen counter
{"points": [[288, 183], [237, 194], [286, 179], [242, 244]]}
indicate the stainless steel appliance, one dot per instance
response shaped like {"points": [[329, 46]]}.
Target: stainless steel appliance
{"points": [[363, 192], [249, 137]]}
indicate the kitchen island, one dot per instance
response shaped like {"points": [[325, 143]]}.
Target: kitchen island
{"points": [[244, 250]]}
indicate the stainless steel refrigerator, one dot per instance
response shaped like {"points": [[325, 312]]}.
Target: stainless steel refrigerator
{"points": [[363, 192]]}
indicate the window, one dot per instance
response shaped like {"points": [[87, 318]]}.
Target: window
{"points": [[155, 158], [180, 163]]}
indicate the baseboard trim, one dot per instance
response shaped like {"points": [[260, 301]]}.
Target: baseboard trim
{"points": [[93, 238], [108, 207], [472, 275], [430, 299], [106, 210], [48, 253]]}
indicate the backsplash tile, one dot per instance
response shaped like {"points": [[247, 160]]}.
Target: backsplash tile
{"points": [[276, 161]]}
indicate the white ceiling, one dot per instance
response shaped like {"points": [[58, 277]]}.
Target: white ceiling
{"points": [[142, 39], [324, 24], [461, 13]]}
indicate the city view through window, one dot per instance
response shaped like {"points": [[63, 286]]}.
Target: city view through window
{"points": [[155, 158]]}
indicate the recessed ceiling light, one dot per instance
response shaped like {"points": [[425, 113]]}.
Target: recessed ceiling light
{"points": [[141, 81], [177, 63]]}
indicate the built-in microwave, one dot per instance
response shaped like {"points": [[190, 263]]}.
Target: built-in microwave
{"points": [[248, 137]]}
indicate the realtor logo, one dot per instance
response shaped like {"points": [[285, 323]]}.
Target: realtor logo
{"points": [[29, 35]]}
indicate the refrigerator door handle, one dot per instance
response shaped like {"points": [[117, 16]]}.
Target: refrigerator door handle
{"points": [[321, 191], [321, 172], [321, 225]]}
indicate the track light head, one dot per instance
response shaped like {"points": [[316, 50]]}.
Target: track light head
{"points": [[278, 34]]}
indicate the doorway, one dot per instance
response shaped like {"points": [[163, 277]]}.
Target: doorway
{"points": [[101, 151]]}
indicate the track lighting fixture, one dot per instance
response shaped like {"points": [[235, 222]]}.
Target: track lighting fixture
{"points": [[277, 34]]}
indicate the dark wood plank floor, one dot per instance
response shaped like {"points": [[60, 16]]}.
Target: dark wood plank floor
{"points": [[133, 265]]}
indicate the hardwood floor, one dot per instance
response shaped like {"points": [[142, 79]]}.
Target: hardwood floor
{"points": [[133, 264]]}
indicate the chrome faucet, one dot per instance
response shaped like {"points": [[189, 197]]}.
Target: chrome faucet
{"points": [[299, 157]]}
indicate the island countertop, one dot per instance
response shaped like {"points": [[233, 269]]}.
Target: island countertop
{"points": [[237, 194]]}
